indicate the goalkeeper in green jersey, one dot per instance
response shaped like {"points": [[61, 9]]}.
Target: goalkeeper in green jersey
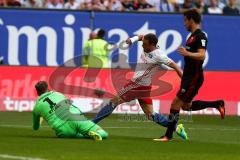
{"points": [[62, 116]]}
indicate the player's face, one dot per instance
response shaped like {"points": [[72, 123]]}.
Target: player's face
{"points": [[187, 24], [146, 46]]}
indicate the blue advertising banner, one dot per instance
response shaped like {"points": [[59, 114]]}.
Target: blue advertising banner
{"points": [[50, 37]]}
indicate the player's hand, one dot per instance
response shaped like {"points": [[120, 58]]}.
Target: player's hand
{"points": [[128, 41], [140, 37], [181, 50], [41, 120]]}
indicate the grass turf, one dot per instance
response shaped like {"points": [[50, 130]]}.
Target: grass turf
{"points": [[210, 138]]}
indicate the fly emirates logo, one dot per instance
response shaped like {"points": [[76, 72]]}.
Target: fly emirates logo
{"points": [[61, 42]]}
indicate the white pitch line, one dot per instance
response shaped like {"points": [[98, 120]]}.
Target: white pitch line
{"points": [[8, 156], [209, 129], [27, 126], [118, 127], [215, 129], [19, 126], [14, 126]]}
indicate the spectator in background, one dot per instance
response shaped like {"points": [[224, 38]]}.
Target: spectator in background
{"points": [[3, 3], [115, 5], [186, 6], [155, 4], [11, 3], [86, 5], [231, 8], [105, 3], [98, 55], [54, 4], [32, 3], [130, 5], [144, 6], [201, 6], [213, 7], [221, 3], [168, 6], [79, 2], [238, 5], [98, 5], [179, 2], [71, 4]]}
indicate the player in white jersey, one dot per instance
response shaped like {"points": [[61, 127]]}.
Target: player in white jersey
{"points": [[139, 86], [148, 64]]}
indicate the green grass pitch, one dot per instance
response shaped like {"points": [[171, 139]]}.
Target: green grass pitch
{"points": [[210, 138]]}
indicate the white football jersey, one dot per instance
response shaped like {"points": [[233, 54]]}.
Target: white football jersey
{"points": [[148, 64]]}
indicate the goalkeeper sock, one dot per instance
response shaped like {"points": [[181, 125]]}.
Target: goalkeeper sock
{"points": [[104, 112]]}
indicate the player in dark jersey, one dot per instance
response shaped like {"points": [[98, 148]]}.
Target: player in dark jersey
{"points": [[192, 79]]}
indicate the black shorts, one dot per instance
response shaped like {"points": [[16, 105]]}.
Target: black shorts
{"points": [[189, 88]]}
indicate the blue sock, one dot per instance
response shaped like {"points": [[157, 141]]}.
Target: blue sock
{"points": [[104, 112], [160, 119]]}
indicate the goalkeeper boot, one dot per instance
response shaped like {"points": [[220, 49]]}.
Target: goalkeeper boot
{"points": [[95, 136]]}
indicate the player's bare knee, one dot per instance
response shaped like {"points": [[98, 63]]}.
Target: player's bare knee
{"points": [[175, 104], [148, 115], [185, 108], [147, 112]]}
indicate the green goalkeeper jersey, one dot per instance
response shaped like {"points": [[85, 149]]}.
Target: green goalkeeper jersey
{"points": [[55, 109]]}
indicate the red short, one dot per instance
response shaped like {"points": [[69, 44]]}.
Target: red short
{"points": [[132, 91]]}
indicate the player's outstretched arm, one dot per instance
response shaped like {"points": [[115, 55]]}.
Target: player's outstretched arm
{"points": [[130, 41], [174, 66], [36, 119]]}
